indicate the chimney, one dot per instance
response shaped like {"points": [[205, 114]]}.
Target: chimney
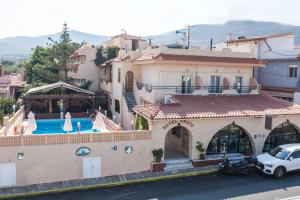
{"points": [[229, 36]]}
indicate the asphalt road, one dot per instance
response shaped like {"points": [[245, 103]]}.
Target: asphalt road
{"points": [[199, 187]]}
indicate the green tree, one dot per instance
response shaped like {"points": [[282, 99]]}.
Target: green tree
{"points": [[61, 50], [100, 59], [112, 52], [49, 64], [40, 67]]}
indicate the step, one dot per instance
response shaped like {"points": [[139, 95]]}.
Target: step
{"points": [[179, 160], [178, 166]]}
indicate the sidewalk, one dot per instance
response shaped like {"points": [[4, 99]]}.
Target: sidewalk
{"points": [[109, 181]]}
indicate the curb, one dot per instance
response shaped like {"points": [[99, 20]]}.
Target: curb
{"points": [[116, 184]]}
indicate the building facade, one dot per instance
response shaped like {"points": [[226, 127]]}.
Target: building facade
{"points": [[280, 76], [127, 42], [190, 96], [10, 83], [82, 68]]}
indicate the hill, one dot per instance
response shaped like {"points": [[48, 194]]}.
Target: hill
{"points": [[16, 48]]}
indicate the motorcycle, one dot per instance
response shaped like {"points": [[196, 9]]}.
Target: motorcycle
{"points": [[241, 167]]}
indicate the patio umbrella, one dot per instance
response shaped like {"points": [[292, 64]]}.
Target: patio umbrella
{"points": [[99, 123], [31, 126], [68, 123]]}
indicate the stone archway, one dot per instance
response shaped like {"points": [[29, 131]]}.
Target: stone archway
{"points": [[129, 81], [284, 133], [178, 143], [230, 139]]}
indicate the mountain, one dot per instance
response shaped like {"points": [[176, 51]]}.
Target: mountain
{"points": [[201, 33], [15, 48]]}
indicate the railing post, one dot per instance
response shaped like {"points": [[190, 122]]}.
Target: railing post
{"points": [[91, 138], [21, 140]]}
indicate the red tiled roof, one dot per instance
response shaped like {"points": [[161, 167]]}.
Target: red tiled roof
{"points": [[203, 58], [218, 107]]}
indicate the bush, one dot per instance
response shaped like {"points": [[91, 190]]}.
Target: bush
{"points": [[200, 147], [141, 123], [158, 154], [6, 105]]}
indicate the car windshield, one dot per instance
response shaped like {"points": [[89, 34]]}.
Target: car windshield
{"points": [[279, 152]]}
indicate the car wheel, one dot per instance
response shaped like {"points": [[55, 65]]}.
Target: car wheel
{"points": [[279, 172]]}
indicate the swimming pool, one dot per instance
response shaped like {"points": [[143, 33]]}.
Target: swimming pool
{"points": [[55, 126]]}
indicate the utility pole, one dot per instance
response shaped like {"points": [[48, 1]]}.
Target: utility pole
{"points": [[150, 41], [211, 44], [188, 35]]}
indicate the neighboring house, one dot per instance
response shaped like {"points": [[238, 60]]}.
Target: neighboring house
{"points": [[280, 77], [10, 83], [82, 68], [127, 42]]}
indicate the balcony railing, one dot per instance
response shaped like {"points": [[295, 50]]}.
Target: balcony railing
{"points": [[191, 89]]}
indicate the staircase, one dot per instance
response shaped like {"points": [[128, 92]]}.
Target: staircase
{"points": [[178, 164], [130, 100]]}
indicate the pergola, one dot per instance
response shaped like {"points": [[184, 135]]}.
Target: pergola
{"points": [[48, 101]]}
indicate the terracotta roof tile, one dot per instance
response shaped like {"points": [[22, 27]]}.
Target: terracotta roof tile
{"points": [[203, 58], [218, 107]]}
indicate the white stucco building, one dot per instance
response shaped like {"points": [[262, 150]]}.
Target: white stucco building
{"points": [[82, 68], [193, 95]]}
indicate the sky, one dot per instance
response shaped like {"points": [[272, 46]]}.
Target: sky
{"points": [[139, 17]]}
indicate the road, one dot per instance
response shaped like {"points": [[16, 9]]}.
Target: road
{"points": [[200, 187]]}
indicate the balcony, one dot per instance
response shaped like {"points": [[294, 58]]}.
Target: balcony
{"points": [[199, 90]]}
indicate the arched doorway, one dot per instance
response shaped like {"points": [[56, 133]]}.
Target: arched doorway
{"points": [[177, 143], [285, 133], [230, 139], [129, 81]]}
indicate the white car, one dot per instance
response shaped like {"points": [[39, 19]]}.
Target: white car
{"points": [[284, 158]]}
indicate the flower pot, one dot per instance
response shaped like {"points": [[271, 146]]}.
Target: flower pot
{"points": [[202, 156], [157, 159]]}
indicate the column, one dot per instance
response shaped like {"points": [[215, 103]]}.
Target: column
{"points": [[50, 106]]}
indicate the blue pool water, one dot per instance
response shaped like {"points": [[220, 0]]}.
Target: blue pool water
{"points": [[55, 126]]}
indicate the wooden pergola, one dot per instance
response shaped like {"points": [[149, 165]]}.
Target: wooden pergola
{"points": [[49, 100]]}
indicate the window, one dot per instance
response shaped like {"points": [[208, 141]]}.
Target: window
{"points": [[119, 75], [215, 84], [117, 106], [186, 84], [293, 70], [295, 154]]}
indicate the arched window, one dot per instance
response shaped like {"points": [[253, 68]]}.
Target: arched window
{"points": [[285, 133], [230, 139]]}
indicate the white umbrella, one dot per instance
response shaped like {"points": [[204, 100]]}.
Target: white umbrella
{"points": [[31, 126], [99, 123], [68, 123]]}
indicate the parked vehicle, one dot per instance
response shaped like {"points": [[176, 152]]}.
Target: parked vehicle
{"points": [[235, 165], [279, 161]]}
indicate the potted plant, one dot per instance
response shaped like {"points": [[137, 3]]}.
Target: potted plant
{"points": [[158, 154], [200, 147]]}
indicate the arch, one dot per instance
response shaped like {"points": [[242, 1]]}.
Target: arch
{"points": [[178, 142], [284, 133], [129, 81], [231, 139]]}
